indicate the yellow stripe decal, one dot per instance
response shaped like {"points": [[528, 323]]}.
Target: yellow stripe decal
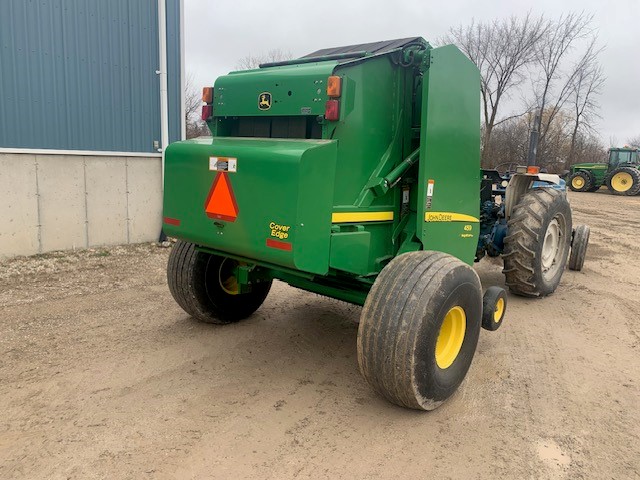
{"points": [[449, 217], [356, 217]]}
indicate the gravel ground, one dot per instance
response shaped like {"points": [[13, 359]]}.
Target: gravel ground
{"points": [[103, 376]]}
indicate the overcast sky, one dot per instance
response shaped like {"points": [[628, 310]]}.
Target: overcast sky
{"points": [[217, 34]]}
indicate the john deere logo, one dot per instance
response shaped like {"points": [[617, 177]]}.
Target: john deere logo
{"points": [[264, 101]]}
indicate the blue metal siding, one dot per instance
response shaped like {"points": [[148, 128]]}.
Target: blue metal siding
{"points": [[80, 74], [173, 69]]}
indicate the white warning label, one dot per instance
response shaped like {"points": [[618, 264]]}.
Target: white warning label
{"points": [[430, 184], [223, 164]]}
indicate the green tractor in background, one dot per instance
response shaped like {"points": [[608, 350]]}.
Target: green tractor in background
{"points": [[621, 174]]}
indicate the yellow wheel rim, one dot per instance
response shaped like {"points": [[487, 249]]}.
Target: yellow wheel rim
{"points": [[497, 313], [226, 277], [577, 182], [450, 337], [621, 182]]}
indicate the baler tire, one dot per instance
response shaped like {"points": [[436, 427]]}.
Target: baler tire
{"points": [[634, 189], [192, 276], [403, 351], [528, 230], [579, 247], [494, 306], [585, 177]]}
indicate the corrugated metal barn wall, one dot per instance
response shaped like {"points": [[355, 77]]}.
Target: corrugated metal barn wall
{"points": [[174, 59], [80, 74]]}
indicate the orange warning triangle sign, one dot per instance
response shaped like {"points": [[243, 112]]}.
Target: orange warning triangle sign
{"points": [[221, 202]]}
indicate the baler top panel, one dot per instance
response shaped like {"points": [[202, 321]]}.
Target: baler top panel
{"points": [[374, 48], [293, 87], [276, 91]]}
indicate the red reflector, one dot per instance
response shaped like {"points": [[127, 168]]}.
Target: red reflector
{"points": [[278, 244], [207, 111], [172, 221], [332, 110]]}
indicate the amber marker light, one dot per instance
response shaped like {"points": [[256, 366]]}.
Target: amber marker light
{"points": [[207, 94], [334, 86]]}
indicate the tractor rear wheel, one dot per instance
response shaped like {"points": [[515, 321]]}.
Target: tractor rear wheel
{"points": [[581, 181], [537, 243], [419, 328], [624, 181], [579, 244], [204, 285]]}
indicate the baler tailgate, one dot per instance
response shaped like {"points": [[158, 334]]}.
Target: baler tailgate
{"points": [[268, 200]]}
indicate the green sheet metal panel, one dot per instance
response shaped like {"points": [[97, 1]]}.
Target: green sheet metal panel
{"points": [[370, 107], [370, 112], [293, 90], [350, 252], [280, 187], [449, 172]]}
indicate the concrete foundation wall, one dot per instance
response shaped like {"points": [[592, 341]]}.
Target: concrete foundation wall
{"points": [[59, 202]]}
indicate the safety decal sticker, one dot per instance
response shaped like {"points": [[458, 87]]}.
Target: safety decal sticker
{"points": [[358, 217], [223, 164], [221, 202], [449, 217], [430, 185], [279, 231]]}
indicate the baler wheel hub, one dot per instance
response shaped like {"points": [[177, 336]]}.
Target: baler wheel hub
{"points": [[227, 278], [499, 310], [450, 337]]}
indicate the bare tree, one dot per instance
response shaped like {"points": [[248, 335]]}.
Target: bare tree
{"points": [[634, 141], [192, 109], [509, 144], [613, 141], [553, 48], [250, 61], [586, 85], [501, 50]]}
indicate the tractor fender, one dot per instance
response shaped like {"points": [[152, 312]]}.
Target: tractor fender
{"points": [[520, 183]]}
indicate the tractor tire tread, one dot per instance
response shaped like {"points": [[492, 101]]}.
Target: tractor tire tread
{"points": [[522, 244]]}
